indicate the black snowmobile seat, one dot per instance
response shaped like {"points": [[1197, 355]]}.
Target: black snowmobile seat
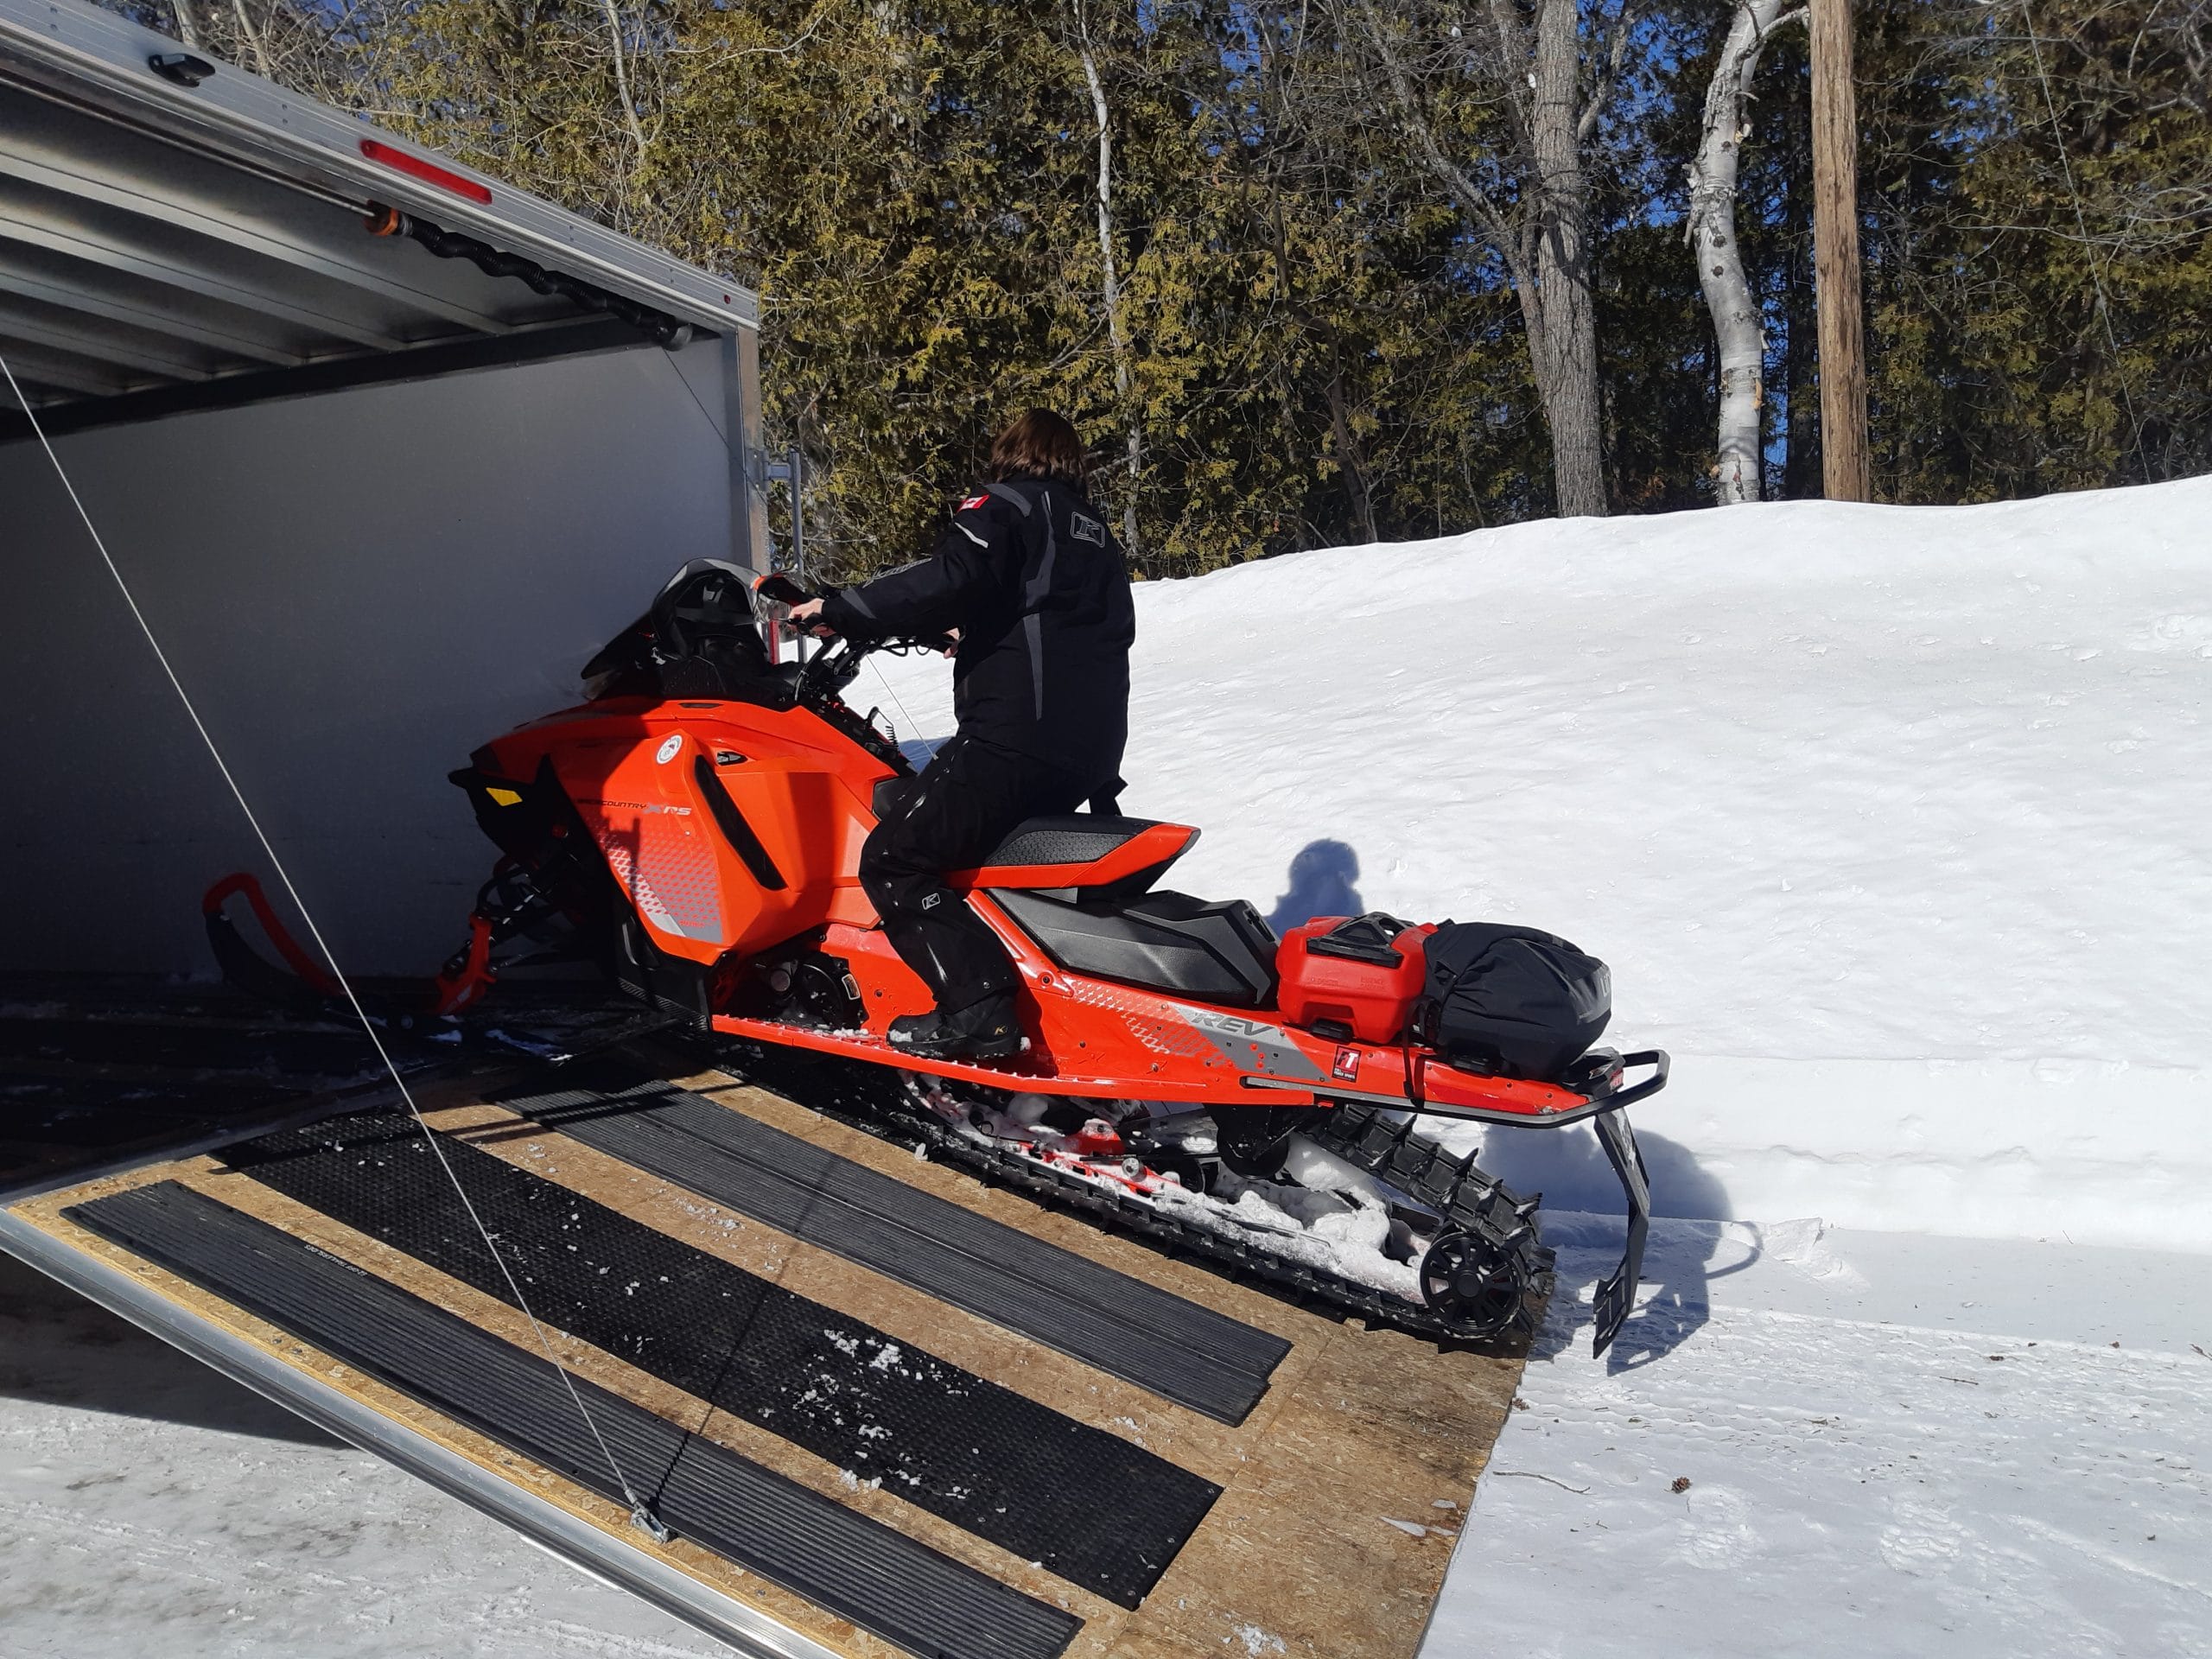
{"points": [[1222, 952], [1082, 850], [1080, 886]]}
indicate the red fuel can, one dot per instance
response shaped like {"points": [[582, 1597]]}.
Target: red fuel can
{"points": [[1360, 975]]}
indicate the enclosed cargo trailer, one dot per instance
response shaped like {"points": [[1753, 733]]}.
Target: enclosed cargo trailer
{"points": [[385, 448]]}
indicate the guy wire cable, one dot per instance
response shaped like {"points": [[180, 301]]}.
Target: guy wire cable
{"points": [[884, 680], [641, 1514]]}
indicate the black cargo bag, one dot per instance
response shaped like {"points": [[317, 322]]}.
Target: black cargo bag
{"points": [[1511, 1000]]}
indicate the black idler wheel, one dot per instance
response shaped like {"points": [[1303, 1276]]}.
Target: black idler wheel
{"points": [[1474, 1284], [1252, 1139]]}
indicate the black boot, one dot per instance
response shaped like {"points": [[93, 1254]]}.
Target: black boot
{"points": [[985, 1030]]}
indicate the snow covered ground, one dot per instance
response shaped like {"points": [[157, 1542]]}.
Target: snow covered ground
{"points": [[1893, 823], [1893, 1445]]}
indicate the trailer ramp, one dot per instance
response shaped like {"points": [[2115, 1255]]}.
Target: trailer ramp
{"points": [[877, 1407]]}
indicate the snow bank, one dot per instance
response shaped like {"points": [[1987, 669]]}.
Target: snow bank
{"points": [[1892, 823]]}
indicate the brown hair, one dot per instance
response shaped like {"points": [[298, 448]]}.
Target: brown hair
{"points": [[1037, 444]]}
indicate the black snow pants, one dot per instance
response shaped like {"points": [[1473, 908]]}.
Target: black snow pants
{"points": [[966, 801]]}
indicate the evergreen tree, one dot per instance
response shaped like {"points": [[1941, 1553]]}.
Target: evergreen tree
{"points": [[1306, 339]]}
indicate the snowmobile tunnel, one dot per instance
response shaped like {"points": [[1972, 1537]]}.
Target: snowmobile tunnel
{"points": [[879, 1407], [177, 234]]}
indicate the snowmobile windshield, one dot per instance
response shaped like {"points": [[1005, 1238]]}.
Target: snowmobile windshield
{"points": [[701, 638]]}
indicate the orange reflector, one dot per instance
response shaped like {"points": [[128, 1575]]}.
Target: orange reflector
{"points": [[428, 172]]}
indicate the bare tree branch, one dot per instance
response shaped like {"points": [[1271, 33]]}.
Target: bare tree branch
{"points": [[1472, 197], [622, 77], [253, 40], [1608, 74]]}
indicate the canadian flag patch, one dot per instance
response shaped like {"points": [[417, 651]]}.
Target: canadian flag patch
{"points": [[974, 501]]}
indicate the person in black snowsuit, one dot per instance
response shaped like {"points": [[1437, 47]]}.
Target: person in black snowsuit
{"points": [[1039, 590]]}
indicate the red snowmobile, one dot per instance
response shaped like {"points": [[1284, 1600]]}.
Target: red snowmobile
{"points": [[697, 824]]}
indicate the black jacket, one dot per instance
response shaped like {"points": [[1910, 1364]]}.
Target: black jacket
{"points": [[1040, 590]]}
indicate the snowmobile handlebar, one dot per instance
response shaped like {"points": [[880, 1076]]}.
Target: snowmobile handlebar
{"points": [[786, 595]]}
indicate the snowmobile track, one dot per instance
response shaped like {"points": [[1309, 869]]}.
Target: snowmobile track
{"points": [[1460, 1192], [1469, 1200]]}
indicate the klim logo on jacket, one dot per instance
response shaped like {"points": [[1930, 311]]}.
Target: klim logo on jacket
{"points": [[1087, 529], [973, 502]]}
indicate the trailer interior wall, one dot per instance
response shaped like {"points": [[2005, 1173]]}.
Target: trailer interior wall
{"points": [[358, 589]]}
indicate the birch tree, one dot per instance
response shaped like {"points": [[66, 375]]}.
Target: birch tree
{"points": [[1709, 228], [1116, 324]]}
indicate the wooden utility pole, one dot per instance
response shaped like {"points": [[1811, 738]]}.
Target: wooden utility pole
{"points": [[1844, 473]]}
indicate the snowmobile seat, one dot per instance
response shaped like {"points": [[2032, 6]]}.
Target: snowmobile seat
{"points": [[1107, 859], [1222, 952]]}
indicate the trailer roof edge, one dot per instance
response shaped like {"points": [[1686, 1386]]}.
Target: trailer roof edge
{"points": [[100, 62]]}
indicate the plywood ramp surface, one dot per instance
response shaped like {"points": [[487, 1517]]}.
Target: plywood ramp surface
{"points": [[1305, 1499]]}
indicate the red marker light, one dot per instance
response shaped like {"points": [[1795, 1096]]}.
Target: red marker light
{"points": [[428, 172]]}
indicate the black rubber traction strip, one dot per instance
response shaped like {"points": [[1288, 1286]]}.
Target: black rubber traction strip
{"points": [[1177, 1348], [1099, 1511], [843, 1562]]}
